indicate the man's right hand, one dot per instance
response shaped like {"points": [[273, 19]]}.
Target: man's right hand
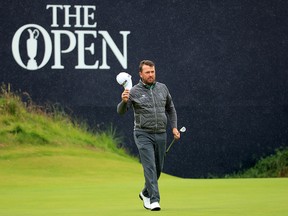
{"points": [[125, 95]]}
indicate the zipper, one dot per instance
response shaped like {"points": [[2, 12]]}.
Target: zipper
{"points": [[155, 111]]}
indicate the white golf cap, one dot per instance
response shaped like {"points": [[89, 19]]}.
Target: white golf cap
{"points": [[125, 80]]}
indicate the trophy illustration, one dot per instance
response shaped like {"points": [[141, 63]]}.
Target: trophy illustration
{"points": [[31, 44]]}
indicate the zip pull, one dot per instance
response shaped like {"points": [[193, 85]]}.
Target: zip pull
{"points": [[155, 111]]}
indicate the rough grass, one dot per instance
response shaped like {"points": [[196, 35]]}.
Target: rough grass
{"points": [[22, 124], [274, 165]]}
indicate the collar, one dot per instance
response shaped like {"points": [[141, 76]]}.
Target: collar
{"points": [[147, 86]]}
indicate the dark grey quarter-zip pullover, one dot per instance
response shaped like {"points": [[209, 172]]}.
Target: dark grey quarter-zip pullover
{"points": [[152, 105]]}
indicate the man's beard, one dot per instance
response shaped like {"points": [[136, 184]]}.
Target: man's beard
{"points": [[149, 81]]}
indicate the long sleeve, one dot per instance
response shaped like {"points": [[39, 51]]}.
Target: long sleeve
{"points": [[171, 112], [122, 108]]}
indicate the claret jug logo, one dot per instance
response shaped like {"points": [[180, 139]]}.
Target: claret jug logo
{"points": [[33, 46]]}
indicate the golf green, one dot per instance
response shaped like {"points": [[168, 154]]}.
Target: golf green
{"points": [[49, 181]]}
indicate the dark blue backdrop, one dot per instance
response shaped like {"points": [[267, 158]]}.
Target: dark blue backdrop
{"points": [[225, 63]]}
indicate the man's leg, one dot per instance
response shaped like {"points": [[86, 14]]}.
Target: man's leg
{"points": [[146, 147], [160, 151]]}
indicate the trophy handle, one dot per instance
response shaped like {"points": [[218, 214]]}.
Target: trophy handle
{"points": [[35, 33]]}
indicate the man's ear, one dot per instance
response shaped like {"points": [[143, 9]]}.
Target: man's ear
{"points": [[140, 74]]}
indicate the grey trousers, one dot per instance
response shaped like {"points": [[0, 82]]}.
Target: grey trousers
{"points": [[152, 148]]}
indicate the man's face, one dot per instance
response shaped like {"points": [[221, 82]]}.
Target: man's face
{"points": [[148, 74]]}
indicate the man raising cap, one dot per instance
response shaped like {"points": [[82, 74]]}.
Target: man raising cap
{"points": [[152, 105]]}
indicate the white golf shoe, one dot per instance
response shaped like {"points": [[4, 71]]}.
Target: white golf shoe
{"points": [[155, 206], [146, 201]]}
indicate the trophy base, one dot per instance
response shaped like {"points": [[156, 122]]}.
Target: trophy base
{"points": [[32, 64]]}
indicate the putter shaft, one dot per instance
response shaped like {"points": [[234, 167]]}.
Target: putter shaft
{"points": [[170, 145], [183, 129]]}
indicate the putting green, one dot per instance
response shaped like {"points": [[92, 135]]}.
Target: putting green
{"points": [[73, 181]]}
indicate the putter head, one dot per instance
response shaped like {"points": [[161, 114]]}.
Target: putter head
{"points": [[183, 129]]}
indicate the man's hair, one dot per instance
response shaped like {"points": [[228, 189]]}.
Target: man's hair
{"points": [[146, 62]]}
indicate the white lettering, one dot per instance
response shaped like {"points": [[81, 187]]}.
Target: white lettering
{"points": [[35, 38], [87, 13], [82, 48], [54, 14], [87, 16], [77, 15], [58, 49], [122, 58]]}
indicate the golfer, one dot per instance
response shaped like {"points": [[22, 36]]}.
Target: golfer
{"points": [[152, 104]]}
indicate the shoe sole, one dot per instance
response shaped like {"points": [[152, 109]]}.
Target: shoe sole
{"points": [[156, 209], [140, 197]]}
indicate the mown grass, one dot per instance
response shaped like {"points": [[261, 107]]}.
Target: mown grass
{"points": [[76, 181]]}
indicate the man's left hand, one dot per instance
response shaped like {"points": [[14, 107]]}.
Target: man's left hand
{"points": [[176, 133]]}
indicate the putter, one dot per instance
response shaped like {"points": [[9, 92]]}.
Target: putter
{"points": [[183, 129]]}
